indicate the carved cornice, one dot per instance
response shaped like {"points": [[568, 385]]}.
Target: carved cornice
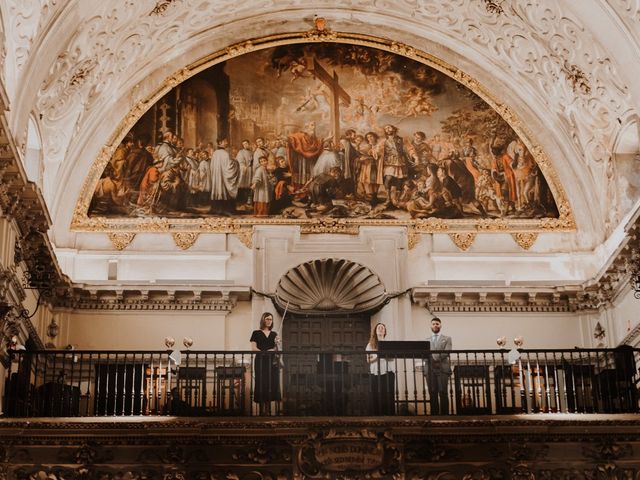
{"points": [[497, 299], [124, 297]]}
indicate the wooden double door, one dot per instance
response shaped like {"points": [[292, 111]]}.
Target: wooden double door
{"points": [[325, 370]]}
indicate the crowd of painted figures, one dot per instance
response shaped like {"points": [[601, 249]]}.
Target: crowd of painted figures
{"points": [[365, 175]]}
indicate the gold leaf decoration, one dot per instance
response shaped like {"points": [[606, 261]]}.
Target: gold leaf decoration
{"points": [[330, 225], [239, 49], [121, 240], [403, 49], [413, 239], [431, 225], [320, 32], [245, 235], [525, 239], [185, 240], [463, 240], [495, 225], [217, 224]]}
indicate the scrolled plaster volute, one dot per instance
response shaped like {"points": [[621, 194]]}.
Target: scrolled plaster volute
{"points": [[88, 63]]}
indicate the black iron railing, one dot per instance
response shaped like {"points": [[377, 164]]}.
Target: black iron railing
{"points": [[241, 383]]}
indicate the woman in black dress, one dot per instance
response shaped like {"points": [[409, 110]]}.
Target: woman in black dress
{"points": [[266, 365]]}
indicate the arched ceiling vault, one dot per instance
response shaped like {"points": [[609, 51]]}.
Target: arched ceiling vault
{"points": [[88, 63]]}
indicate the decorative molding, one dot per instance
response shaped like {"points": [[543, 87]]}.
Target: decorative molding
{"points": [[413, 238], [430, 225], [330, 286], [320, 32], [463, 240], [577, 78], [330, 225], [494, 6], [365, 453], [179, 448], [161, 7], [525, 239], [121, 240], [245, 235], [185, 240]]}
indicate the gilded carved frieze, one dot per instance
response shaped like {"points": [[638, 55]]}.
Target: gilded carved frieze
{"points": [[342, 203]]}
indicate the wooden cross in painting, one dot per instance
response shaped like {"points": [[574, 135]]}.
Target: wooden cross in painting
{"points": [[337, 93]]}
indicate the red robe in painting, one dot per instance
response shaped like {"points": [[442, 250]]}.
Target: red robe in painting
{"points": [[303, 152]]}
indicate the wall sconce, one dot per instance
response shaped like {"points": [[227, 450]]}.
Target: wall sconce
{"points": [[187, 342], [518, 341], [502, 341], [169, 342], [53, 329]]}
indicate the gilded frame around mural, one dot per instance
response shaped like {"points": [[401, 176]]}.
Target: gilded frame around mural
{"points": [[82, 222]]}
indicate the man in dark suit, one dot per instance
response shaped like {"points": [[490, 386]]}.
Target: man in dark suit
{"points": [[438, 369]]}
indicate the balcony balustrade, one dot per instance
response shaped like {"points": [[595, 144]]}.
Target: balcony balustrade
{"points": [[350, 383]]}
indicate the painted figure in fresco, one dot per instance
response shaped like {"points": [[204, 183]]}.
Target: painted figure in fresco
{"points": [[172, 191], [263, 185], [432, 200], [108, 195], [304, 149], [369, 169], [394, 161], [349, 153], [322, 189], [119, 158], [464, 179], [283, 191], [327, 159], [224, 179], [204, 178], [278, 149], [189, 172], [260, 151], [149, 189], [245, 163], [452, 187], [419, 151], [488, 191], [438, 150], [503, 173], [166, 151], [470, 157]]}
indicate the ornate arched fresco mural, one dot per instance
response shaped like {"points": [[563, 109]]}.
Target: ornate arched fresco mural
{"points": [[323, 131]]}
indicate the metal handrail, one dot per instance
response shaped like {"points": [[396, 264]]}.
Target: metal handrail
{"points": [[346, 382]]}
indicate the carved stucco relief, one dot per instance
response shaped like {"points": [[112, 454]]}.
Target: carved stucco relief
{"points": [[536, 43]]}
